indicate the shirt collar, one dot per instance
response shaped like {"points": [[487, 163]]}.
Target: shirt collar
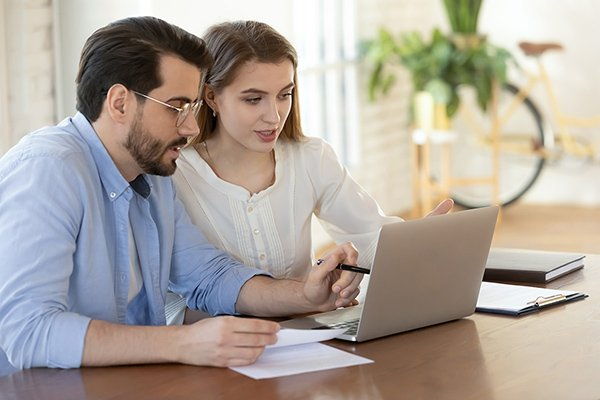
{"points": [[141, 186], [113, 182]]}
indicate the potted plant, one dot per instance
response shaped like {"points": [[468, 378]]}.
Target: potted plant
{"points": [[442, 63]]}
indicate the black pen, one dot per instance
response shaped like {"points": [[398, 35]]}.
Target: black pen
{"points": [[347, 267], [353, 268]]}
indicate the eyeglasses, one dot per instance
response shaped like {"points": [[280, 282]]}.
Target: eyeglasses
{"points": [[182, 111]]}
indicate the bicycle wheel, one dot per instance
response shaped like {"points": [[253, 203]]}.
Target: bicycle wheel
{"points": [[520, 159]]}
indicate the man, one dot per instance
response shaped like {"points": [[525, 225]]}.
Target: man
{"points": [[92, 234]]}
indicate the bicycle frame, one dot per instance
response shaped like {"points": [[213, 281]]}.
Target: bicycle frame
{"points": [[517, 145], [561, 120], [553, 138]]}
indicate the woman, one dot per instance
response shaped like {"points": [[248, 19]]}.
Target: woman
{"points": [[251, 180]]}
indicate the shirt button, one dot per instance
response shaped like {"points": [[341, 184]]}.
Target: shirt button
{"points": [[256, 231], [250, 209], [262, 257], [113, 195]]}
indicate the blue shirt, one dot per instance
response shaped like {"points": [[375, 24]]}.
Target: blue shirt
{"points": [[64, 215]]}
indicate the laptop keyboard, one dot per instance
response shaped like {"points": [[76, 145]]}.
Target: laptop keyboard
{"points": [[352, 326]]}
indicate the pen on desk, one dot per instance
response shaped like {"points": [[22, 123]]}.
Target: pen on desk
{"points": [[353, 268]]}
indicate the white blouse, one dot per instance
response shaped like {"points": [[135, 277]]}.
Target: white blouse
{"points": [[271, 230]]}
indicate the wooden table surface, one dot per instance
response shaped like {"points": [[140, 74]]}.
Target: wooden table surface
{"points": [[553, 354]]}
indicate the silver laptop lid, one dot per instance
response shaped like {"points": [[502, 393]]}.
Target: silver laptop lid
{"points": [[425, 272]]}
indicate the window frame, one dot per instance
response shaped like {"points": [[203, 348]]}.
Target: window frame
{"points": [[328, 73]]}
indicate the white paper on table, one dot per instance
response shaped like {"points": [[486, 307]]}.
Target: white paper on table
{"points": [[502, 296], [289, 337], [298, 351]]}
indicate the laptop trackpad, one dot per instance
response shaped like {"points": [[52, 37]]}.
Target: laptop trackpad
{"points": [[321, 320]]}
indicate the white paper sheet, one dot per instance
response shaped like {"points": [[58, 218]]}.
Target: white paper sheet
{"points": [[298, 351], [289, 337], [501, 296]]}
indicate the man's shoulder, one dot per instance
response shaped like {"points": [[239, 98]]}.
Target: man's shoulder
{"points": [[52, 141], [57, 142]]}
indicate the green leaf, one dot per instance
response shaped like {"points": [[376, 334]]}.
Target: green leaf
{"points": [[463, 14], [440, 90]]}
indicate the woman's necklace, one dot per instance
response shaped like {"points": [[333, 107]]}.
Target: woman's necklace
{"points": [[210, 159]]}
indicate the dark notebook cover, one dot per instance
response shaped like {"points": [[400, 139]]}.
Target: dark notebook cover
{"points": [[532, 266]]}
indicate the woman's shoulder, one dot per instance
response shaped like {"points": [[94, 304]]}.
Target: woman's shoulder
{"points": [[312, 157], [308, 146], [189, 163]]}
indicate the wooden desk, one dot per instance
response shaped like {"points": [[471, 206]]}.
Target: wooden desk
{"points": [[554, 354]]}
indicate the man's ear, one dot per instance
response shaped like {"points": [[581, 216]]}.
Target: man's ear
{"points": [[119, 103], [209, 98]]}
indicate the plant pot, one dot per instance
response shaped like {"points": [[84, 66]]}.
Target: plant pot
{"points": [[440, 117], [429, 114], [424, 110], [467, 41]]}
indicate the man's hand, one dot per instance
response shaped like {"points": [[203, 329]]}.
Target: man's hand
{"points": [[327, 287], [219, 342], [443, 208], [226, 341]]}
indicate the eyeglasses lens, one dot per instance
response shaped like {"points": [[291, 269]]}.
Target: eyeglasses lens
{"points": [[185, 110]]}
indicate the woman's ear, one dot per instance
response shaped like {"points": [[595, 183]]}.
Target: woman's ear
{"points": [[118, 103], [209, 98]]}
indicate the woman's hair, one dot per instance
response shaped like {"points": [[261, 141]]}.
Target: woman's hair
{"points": [[128, 52], [232, 45]]}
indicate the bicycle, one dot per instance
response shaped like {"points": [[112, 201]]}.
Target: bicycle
{"points": [[510, 145]]}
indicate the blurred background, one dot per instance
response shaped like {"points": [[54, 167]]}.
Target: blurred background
{"points": [[40, 41]]}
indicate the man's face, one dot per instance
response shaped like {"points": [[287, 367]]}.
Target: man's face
{"points": [[150, 153], [154, 141]]}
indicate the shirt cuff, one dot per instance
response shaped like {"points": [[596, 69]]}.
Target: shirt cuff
{"points": [[67, 338], [229, 290]]}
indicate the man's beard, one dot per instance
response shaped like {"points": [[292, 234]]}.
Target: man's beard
{"points": [[148, 151]]}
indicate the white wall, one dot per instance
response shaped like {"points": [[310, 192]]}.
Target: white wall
{"points": [[26, 70], [385, 167], [75, 21]]}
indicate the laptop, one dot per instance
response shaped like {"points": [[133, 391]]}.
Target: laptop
{"points": [[425, 272]]}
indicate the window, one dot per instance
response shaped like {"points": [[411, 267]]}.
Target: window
{"points": [[326, 40]]}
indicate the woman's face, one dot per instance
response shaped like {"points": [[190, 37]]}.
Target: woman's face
{"points": [[254, 107]]}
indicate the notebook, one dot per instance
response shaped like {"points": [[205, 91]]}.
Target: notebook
{"points": [[425, 272], [532, 266]]}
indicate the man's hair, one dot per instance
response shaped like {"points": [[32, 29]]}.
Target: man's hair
{"points": [[128, 52], [233, 44]]}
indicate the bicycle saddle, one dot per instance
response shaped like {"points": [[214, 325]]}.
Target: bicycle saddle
{"points": [[536, 49]]}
